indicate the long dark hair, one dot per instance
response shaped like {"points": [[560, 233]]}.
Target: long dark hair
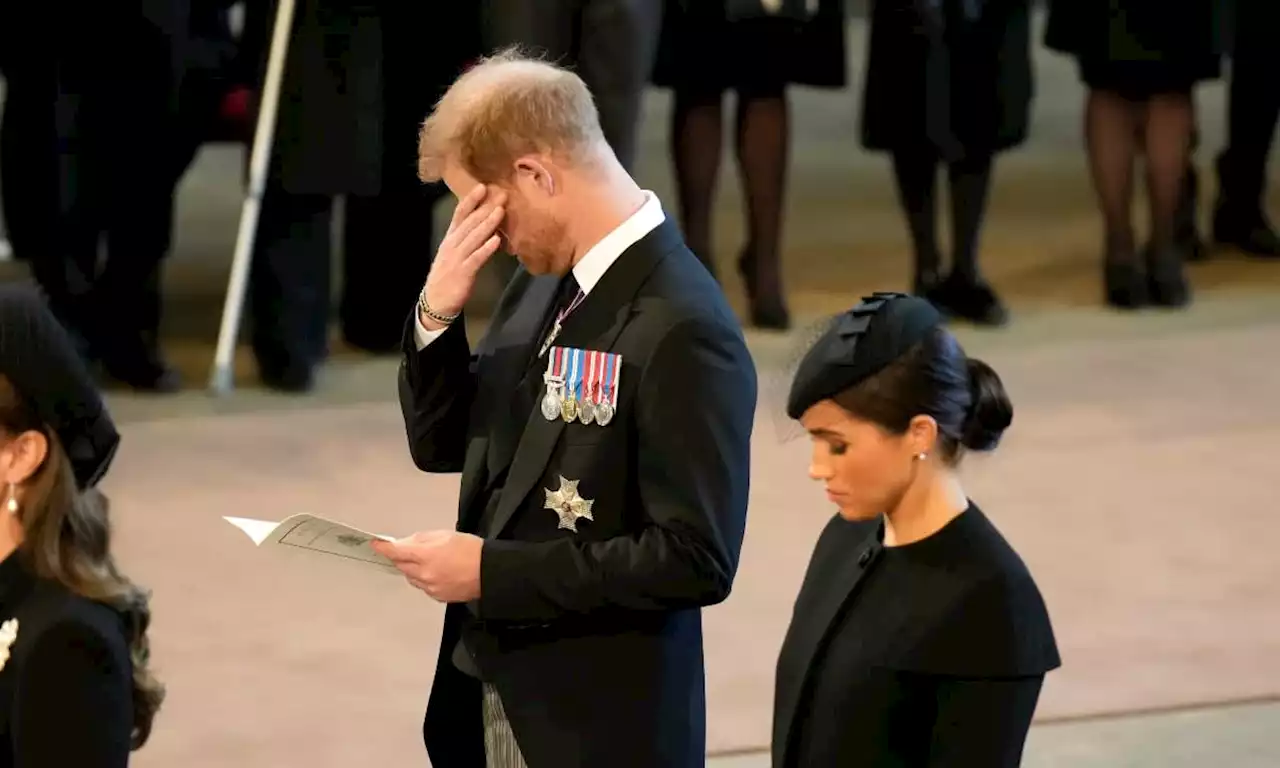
{"points": [[67, 539], [935, 378]]}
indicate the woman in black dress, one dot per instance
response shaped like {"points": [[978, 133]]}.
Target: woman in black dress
{"points": [[712, 46], [918, 638], [949, 82], [1140, 60], [75, 689]]}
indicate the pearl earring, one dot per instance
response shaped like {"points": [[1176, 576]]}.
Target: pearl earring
{"points": [[921, 456], [12, 504]]}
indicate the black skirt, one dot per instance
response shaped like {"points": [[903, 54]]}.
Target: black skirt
{"points": [[944, 81], [1139, 48], [702, 51]]}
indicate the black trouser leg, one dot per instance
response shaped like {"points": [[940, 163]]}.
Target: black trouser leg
{"points": [[289, 286], [1253, 108], [52, 181]]}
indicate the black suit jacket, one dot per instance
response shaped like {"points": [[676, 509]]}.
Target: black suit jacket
{"points": [[594, 639], [66, 692], [929, 655]]}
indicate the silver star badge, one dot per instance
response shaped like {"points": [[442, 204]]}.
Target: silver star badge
{"points": [[568, 505]]}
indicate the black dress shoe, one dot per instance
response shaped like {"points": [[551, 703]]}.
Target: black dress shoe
{"points": [[144, 374], [1250, 233], [1166, 279], [1124, 285], [969, 298], [293, 378], [768, 307]]}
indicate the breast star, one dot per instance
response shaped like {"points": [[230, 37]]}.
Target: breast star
{"points": [[568, 505]]}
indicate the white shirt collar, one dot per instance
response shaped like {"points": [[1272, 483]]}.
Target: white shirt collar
{"points": [[595, 262]]}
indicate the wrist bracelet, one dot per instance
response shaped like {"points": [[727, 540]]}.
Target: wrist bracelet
{"points": [[426, 309]]}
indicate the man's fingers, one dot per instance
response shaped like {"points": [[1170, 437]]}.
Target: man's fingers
{"points": [[395, 551], [468, 204], [481, 233], [486, 217], [482, 254]]}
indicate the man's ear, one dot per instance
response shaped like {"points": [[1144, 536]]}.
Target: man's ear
{"points": [[533, 171]]}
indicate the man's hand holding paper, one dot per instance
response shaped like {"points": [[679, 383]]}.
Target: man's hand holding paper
{"points": [[443, 564]]}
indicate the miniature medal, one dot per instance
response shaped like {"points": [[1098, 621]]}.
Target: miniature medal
{"points": [[569, 407], [551, 400], [587, 408], [554, 380], [609, 399]]}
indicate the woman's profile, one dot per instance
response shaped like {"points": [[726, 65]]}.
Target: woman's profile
{"points": [[75, 688], [919, 638]]}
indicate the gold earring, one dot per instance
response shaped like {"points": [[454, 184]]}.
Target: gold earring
{"points": [[12, 504]]}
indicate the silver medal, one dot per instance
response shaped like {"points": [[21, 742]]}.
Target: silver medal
{"points": [[586, 412], [550, 405], [604, 413]]}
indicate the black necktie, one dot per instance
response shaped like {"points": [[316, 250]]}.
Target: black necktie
{"points": [[566, 293]]}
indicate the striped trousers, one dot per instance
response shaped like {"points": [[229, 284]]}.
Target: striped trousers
{"points": [[500, 748]]}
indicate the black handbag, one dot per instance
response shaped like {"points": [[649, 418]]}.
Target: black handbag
{"points": [[797, 10]]}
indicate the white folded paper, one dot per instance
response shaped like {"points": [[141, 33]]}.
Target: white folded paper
{"points": [[310, 533]]}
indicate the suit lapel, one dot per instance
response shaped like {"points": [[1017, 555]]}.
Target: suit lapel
{"points": [[809, 632], [595, 324], [507, 356], [515, 363]]}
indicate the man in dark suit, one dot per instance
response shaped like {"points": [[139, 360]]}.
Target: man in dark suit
{"points": [[87, 152], [357, 80], [602, 428], [1253, 111], [612, 44]]}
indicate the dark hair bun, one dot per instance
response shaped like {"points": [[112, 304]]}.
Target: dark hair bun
{"points": [[990, 412]]}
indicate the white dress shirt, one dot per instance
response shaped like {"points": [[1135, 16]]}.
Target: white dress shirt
{"points": [[595, 262]]}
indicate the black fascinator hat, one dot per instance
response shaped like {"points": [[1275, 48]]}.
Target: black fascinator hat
{"points": [[39, 359], [858, 344]]}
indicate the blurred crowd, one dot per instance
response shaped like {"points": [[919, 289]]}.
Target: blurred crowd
{"points": [[104, 117]]}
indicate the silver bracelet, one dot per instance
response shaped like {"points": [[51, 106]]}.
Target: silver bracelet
{"points": [[426, 309]]}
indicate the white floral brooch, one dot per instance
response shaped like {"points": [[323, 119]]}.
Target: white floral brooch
{"points": [[8, 634]]}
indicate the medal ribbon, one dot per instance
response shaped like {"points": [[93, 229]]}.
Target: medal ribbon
{"points": [[611, 376], [589, 381], [575, 373]]}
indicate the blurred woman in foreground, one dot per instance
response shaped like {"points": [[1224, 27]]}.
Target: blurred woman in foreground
{"points": [[75, 689]]}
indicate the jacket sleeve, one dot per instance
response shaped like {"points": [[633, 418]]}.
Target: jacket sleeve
{"points": [[437, 385], [73, 704], [695, 409], [982, 721]]}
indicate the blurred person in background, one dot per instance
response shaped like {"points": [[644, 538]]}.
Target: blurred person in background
{"points": [[74, 677], [919, 638], [1253, 110], [611, 44], [756, 49], [949, 84], [89, 158], [1140, 63], [358, 79]]}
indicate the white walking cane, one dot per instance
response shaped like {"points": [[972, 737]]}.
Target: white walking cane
{"points": [[222, 378]]}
